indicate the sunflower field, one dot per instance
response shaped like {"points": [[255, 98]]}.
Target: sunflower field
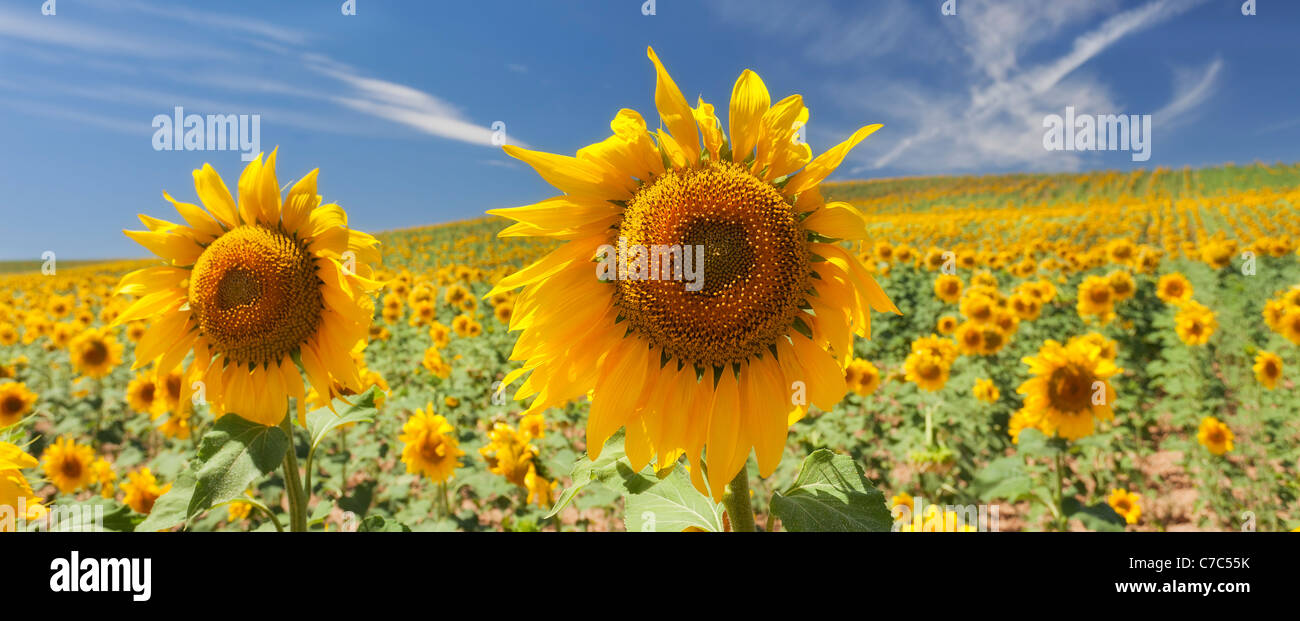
{"points": [[1100, 351]]}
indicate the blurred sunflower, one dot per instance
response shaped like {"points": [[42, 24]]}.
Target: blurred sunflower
{"points": [[683, 369], [68, 464], [143, 396], [1070, 388], [1096, 298], [15, 490], [1195, 323], [252, 288], [985, 390], [926, 370], [1174, 288], [946, 324], [16, 401], [862, 377], [95, 352], [1126, 504], [540, 490], [1268, 369], [1214, 435], [948, 288], [142, 490]]}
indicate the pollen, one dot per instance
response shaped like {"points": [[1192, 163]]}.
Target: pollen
{"points": [[755, 267]]}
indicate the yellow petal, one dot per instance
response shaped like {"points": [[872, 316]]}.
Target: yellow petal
{"points": [[749, 101], [827, 162], [674, 113]]}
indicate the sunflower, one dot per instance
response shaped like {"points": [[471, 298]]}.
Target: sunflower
{"points": [[532, 426], [985, 390], [926, 370], [16, 401], [902, 499], [1126, 504], [977, 307], [1195, 323], [95, 352], [970, 338], [429, 445], [434, 363], [862, 377], [252, 288], [177, 425], [1096, 298], [440, 334], [508, 453], [15, 491], [685, 368], [1121, 284], [1174, 289], [68, 465], [104, 476], [142, 490], [946, 324], [8, 334], [1026, 306], [948, 288], [1268, 369], [1070, 388], [1214, 435], [143, 396], [1289, 325]]}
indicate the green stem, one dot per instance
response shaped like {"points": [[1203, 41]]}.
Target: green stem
{"points": [[266, 510], [736, 501], [1059, 493], [293, 484]]}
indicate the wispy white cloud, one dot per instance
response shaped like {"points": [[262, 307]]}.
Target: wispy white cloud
{"points": [[1192, 88]]}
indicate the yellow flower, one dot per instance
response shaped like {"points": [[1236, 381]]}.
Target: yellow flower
{"points": [[251, 287], [143, 396], [1096, 298], [969, 338], [105, 476], [1195, 323], [1268, 369], [985, 390], [8, 334], [16, 401], [1069, 390], [1121, 284], [1109, 349], [1126, 504], [927, 371], [946, 324], [1289, 325], [1214, 435], [95, 352], [238, 510], [941, 348], [540, 490], [686, 185], [903, 499], [508, 454], [440, 334], [142, 490], [948, 288], [532, 426], [1174, 289], [451, 401], [938, 520], [15, 490], [68, 465], [862, 377], [434, 364], [177, 425], [429, 445]]}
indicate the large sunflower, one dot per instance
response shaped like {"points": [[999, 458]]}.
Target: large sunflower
{"points": [[251, 289], [684, 369]]}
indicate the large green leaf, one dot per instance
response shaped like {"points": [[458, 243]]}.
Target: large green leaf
{"points": [[1004, 478], [232, 455], [671, 505], [831, 494], [1098, 517]]}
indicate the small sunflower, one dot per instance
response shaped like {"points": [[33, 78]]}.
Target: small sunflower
{"points": [[16, 401], [948, 288], [95, 352], [143, 396], [142, 490], [1195, 323], [1174, 289], [985, 390], [250, 289], [684, 369], [862, 377], [926, 370], [1268, 369], [970, 338], [1127, 504], [508, 453], [540, 490], [1214, 435], [1121, 284], [429, 445], [946, 324], [1289, 325], [15, 490], [1069, 390], [68, 465], [1096, 298]]}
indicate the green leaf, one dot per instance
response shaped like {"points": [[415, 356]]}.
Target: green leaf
{"points": [[671, 505], [231, 456], [1032, 443], [1099, 517], [379, 524], [831, 494], [612, 467], [1004, 478], [322, 421], [234, 453]]}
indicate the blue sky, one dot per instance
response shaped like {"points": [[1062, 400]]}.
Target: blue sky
{"points": [[394, 104]]}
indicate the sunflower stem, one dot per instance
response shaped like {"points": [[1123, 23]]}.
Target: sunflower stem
{"points": [[293, 482], [1059, 495], [736, 501]]}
